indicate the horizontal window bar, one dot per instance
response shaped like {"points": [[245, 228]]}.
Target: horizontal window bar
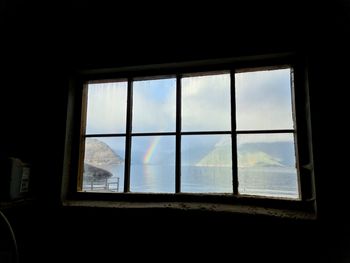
{"points": [[158, 133], [189, 133], [265, 131], [153, 134], [205, 132], [106, 135]]}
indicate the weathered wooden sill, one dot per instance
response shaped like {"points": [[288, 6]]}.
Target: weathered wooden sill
{"points": [[210, 207]]}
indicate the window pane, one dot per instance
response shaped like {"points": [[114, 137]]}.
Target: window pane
{"points": [[206, 164], [154, 105], [153, 164], [104, 164], [263, 100], [267, 165], [106, 108], [206, 103]]}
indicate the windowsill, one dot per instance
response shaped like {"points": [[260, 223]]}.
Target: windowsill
{"points": [[243, 208]]}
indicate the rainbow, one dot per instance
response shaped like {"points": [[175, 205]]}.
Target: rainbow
{"points": [[149, 153]]}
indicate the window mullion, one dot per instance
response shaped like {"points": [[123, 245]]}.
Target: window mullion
{"points": [[128, 137], [82, 136], [178, 136], [233, 134]]}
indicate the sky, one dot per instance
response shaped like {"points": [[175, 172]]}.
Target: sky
{"points": [[106, 110], [263, 101], [206, 103], [154, 106]]}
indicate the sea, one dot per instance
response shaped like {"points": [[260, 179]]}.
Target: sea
{"points": [[281, 182]]}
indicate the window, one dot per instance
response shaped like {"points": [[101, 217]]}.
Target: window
{"points": [[224, 129]]}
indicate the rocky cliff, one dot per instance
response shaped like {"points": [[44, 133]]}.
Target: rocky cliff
{"points": [[99, 153]]}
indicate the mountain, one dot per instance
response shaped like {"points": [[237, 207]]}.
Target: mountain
{"points": [[257, 159], [280, 153], [98, 153], [219, 156], [93, 173], [251, 155]]}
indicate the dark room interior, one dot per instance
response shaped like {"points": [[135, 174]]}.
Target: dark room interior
{"points": [[43, 44]]}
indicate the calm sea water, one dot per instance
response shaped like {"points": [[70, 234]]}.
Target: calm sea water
{"points": [[263, 181]]}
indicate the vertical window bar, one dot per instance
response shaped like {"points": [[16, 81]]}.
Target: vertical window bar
{"points": [[178, 136], [295, 127], [307, 140], [128, 137], [233, 134], [82, 136]]}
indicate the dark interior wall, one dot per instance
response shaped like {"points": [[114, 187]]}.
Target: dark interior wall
{"points": [[44, 42]]}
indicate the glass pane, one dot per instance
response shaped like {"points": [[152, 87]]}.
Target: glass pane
{"points": [[154, 105], [206, 103], [153, 164], [263, 100], [104, 164], [206, 164], [106, 108], [267, 165]]}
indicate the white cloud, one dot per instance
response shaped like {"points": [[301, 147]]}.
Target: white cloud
{"points": [[154, 114], [259, 138], [263, 100], [106, 107], [206, 103]]}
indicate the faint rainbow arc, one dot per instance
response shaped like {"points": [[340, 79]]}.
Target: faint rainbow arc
{"points": [[149, 153]]}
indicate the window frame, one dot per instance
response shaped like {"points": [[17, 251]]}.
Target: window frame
{"points": [[303, 143]]}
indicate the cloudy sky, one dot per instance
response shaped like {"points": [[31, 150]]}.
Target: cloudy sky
{"points": [[263, 101]]}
